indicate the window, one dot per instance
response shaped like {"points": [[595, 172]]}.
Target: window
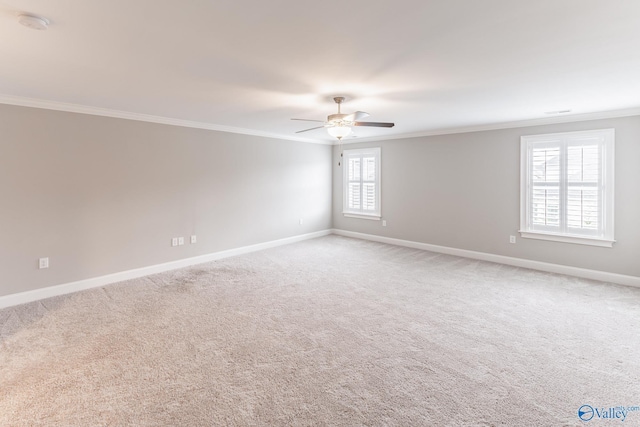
{"points": [[567, 187], [361, 183]]}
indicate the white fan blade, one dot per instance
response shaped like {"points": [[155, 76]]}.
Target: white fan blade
{"points": [[358, 115]]}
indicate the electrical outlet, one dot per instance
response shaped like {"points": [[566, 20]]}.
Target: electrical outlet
{"points": [[193, 239], [384, 222], [180, 241], [300, 222], [174, 241], [43, 263], [512, 239]]}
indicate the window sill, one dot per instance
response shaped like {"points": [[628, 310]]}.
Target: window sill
{"points": [[362, 216], [579, 240]]}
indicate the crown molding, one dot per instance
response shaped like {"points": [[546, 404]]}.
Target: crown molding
{"points": [[507, 125], [105, 112], [127, 115]]}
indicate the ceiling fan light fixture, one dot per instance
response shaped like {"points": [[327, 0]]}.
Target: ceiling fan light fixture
{"points": [[339, 125], [339, 131]]}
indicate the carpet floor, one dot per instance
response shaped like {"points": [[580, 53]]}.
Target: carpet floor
{"points": [[327, 332]]}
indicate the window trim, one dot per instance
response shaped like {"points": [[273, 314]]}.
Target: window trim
{"points": [[580, 240], [607, 182], [377, 215]]}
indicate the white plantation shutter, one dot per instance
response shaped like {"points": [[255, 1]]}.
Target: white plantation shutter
{"points": [[584, 204], [567, 187], [545, 191], [354, 186], [362, 182]]}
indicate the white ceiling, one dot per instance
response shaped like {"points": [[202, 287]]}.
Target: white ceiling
{"points": [[430, 66]]}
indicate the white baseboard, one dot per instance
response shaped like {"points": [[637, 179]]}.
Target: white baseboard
{"points": [[95, 282], [66, 288], [517, 262]]}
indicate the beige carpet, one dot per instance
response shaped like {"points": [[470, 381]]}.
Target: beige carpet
{"points": [[327, 332]]}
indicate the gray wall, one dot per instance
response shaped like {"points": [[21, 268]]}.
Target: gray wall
{"points": [[463, 191], [99, 195]]}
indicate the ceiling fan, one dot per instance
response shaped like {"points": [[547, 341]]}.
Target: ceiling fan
{"points": [[339, 125]]}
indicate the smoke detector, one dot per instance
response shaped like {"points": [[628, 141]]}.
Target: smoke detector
{"points": [[33, 22]]}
